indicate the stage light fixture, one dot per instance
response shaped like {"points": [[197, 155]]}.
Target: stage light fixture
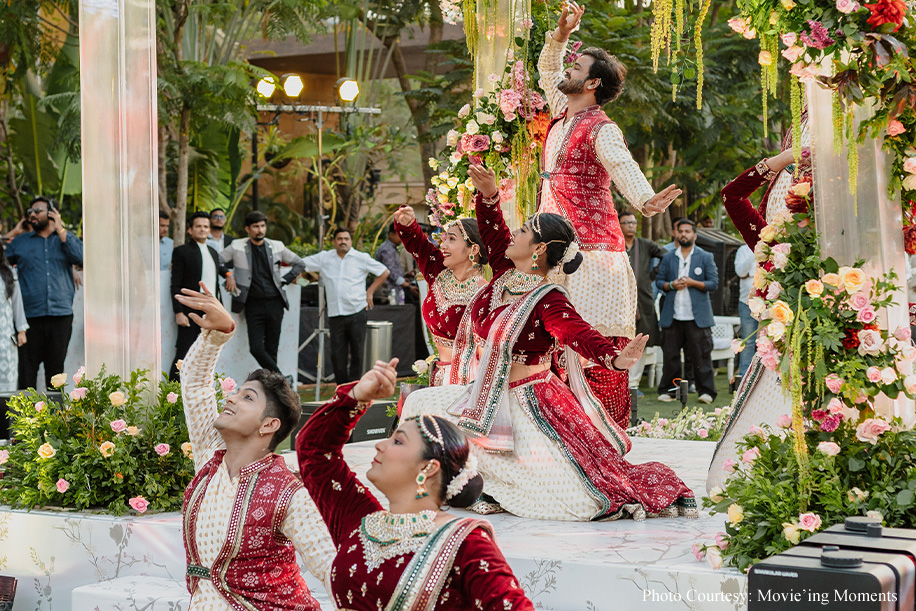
{"points": [[292, 85], [266, 87], [347, 89]]}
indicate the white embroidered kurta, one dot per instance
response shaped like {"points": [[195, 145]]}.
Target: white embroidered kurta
{"points": [[603, 289], [303, 524]]}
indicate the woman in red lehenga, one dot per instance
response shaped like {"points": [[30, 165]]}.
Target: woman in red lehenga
{"points": [[546, 450], [413, 557], [454, 274]]}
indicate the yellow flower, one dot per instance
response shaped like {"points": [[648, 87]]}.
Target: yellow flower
{"points": [[791, 532], [435, 181], [781, 312], [715, 495], [107, 449], [178, 364], [833, 280], [186, 449], [856, 495], [760, 278], [854, 279], [133, 431], [768, 233], [801, 189], [787, 4], [452, 181], [443, 197], [735, 514], [117, 398], [774, 19], [46, 451], [469, 185], [815, 288], [433, 163], [59, 380], [765, 58], [443, 190]]}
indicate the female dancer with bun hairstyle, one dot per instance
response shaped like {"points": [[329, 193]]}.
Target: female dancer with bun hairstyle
{"points": [[414, 556], [454, 274], [546, 450]]}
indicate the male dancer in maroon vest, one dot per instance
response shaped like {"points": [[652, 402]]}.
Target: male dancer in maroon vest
{"points": [[245, 513], [585, 152]]}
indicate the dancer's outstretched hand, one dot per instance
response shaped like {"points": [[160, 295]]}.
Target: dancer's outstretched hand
{"points": [[484, 179], [377, 383], [569, 21], [405, 215], [215, 315], [629, 355], [661, 200]]}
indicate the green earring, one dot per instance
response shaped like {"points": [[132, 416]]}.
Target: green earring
{"points": [[534, 266]]}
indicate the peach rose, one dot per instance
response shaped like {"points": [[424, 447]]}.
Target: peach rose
{"points": [[735, 514], [793, 53], [801, 189], [768, 233], [715, 495], [815, 288], [133, 431], [186, 449], [776, 330], [895, 128], [791, 532], [117, 398], [909, 183], [107, 449], [833, 280], [46, 451], [765, 58], [782, 312], [854, 279], [58, 380], [714, 558]]}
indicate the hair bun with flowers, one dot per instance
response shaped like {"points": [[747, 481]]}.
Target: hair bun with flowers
{"points": [[467, 473], [570, 253]]}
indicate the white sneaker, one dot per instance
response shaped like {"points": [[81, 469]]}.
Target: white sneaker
{"points": [[665, 397], [705, 398]]}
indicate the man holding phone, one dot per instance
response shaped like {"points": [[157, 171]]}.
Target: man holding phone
{"points": [[44, 258]]}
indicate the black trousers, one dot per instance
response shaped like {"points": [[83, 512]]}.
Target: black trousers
{"points": [[697, 346], [186, 337], [264, 317], [348, 336], [47, 340]]}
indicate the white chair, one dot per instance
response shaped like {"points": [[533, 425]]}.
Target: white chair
{"points": [[725, 329], [652, 359]]}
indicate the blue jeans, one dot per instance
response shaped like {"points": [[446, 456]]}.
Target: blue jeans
{"points": [[748, 326]]}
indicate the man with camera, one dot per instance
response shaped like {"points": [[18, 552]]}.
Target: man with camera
{"points": [[44, 258]]}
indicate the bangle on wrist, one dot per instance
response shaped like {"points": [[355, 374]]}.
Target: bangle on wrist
{"points": [[764, 170], [490, 200]]}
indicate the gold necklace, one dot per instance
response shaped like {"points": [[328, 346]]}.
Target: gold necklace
{"points": [[387, 535], [450, 291]]}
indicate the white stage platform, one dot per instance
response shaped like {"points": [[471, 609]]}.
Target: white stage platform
{"points": [[564, 566]]}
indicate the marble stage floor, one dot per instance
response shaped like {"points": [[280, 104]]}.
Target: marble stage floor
{"points": [[621, 565], [564, 566]]}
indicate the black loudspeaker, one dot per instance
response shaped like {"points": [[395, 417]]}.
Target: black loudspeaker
{"points": [[855, 566], [374, 424]]}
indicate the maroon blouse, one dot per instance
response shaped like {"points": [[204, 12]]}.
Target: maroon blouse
{"points": [[480, 578], [748, 220], [447, 298], [554, 321]]}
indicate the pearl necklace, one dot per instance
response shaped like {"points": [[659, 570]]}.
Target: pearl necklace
{"points": [[387, 535]]}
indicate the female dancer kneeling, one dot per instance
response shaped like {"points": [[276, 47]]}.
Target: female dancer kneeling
{"points": [[545, 451], [454, 273], [413, 557]]}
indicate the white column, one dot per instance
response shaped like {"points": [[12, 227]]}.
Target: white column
{"points": [[868, 227], [120, 219]]}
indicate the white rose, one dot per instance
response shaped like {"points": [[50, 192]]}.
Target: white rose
{"points": [[888, 375], [452, 138], [756, 305], [472, 127], [776, 330], [497, 137], [909, 183]]}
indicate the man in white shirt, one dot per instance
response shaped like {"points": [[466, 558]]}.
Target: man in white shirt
{"points": [[343, 275], [166, 244], [687, 276], [192, 262], [744, 267]]}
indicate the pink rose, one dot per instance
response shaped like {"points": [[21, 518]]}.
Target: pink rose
{"points": [[756, 430], [765, 344], [162, 449], [721, 541], [751, 455], [62, 485], [784, 421], [138, 503], [866, 314], [873, 374], [774, 290], [770, 361], [909, 166], [805, 73], [662, 422], [847, 6], [809, 521], [737, 346], [831, 423], [78, 394], [78, 376], [829, 448], [465, 111], [789, 38], [858, 301], [477, 143], [902, 333], [738, 24], [698, 552], [171, 397], [871, 429], [870, 342], [835, 406], [834, 383], [4, 456], [479, 93], [729, 465], [227, 384], [39, 406], [118, 425], [713, 555], [895, 128], [703, 433], [909, 383]]}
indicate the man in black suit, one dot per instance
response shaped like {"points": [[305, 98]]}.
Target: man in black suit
{"points": [[192, 262]]}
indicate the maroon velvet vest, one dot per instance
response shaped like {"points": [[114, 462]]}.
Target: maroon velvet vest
{"points": [[581, 185], [256, 568]]}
